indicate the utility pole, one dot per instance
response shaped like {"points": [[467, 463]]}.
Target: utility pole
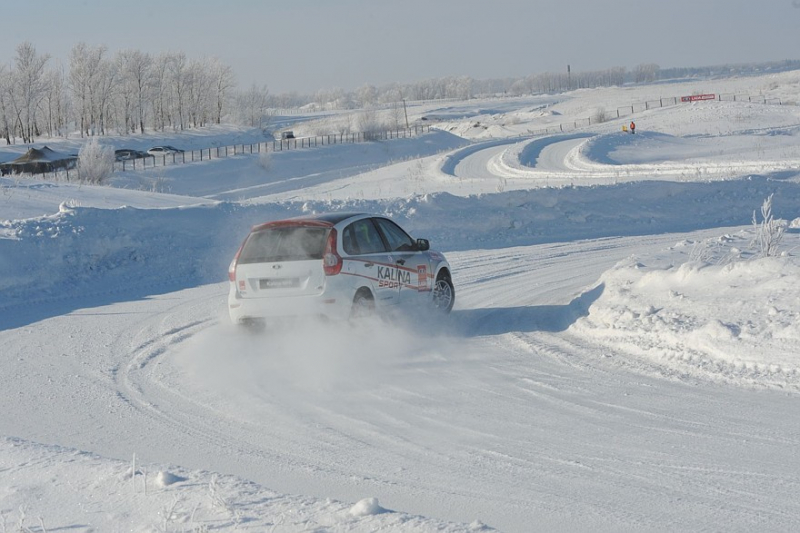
{"points": [[405, 112], [569, 79]]}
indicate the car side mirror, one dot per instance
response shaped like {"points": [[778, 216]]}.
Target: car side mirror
{"points": [[423, 245]]}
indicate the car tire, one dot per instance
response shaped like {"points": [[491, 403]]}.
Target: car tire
{"points": [[363, 306], [444, 293], [252, 325]]}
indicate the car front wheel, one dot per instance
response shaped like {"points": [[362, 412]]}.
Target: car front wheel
{"points": [[444, 294]]}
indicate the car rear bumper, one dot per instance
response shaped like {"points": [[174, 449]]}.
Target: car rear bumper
{"points": [[255, 310]]}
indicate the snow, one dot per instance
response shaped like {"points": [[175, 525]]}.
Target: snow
{"points": [[620, 357]]}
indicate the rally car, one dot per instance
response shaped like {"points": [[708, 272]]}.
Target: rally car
{"points": [[335, 266]]}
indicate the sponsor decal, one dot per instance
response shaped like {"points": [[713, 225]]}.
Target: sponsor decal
{"points": [[392, 278], [698, 97], [422, 277]]}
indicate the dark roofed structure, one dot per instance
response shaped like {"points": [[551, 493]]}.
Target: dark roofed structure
{"points": [[39, 161]]}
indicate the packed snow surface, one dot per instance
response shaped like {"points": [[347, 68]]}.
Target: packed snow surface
{"points": [[623, 355]]}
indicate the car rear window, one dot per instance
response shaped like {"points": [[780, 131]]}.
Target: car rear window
{"points": [[284, 244]]}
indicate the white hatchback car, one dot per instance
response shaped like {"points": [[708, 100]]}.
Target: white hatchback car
{"points": [[335, 266]]}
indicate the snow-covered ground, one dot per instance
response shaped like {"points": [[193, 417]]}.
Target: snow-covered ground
{"points": [[621, 356]]}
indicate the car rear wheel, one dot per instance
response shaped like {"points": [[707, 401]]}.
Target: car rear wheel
{"points": [[444, 294], [363, 306]]}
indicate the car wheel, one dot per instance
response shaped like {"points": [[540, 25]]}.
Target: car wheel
{"points": [[444, 294], [252, 325], [363, 306]]}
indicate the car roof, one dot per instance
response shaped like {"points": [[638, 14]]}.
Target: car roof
{"points": [[320, 219]]}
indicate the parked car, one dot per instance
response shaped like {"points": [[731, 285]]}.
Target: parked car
{"points": [[125, 154], [164, 150], [335, 266], [287, 135]]}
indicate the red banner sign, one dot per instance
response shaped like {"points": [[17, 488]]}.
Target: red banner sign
{"points": [[696, 97]]}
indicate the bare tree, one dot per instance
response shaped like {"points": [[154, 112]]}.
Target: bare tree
{"points": [[160, 92], [135, 68], [366, 95], [199, 94], [178, 76], [106, 86], [252, 106], [646, 72], [6, 116], [86, 73], [369, 123], [224, 83], [56, 101], [30, 87]]}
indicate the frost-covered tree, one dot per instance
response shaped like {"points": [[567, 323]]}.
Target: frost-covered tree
{"points": [[135, 75], [95, 162], [178, 77], [224, 82], [198, 98], [161, 93], [369, 123], [6, 114], [366, 95], [252, 106], [30, 87], [87, 68], [646, 72], [106, 87], [769, 232], [56, 102]]}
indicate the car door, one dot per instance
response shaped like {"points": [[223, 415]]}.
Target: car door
{"points": [[412, 266], [369, 259]]}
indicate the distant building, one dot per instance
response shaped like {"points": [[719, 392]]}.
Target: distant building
{"points": [[39, 161]]}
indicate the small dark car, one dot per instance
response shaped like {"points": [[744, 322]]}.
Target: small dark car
{"points": [[126, 154]]}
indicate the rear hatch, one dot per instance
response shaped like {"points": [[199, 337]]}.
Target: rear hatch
{"points": [[282, 261]]}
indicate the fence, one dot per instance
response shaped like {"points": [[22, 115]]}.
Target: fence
{"points": [[221, 152], [644, 106]]}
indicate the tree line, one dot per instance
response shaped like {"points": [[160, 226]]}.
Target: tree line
{"points": [[99, 93]]}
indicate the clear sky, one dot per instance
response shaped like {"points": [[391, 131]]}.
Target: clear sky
{"points": [[305, 45]]}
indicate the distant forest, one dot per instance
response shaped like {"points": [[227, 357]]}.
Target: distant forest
{"points": [[99, 93]]}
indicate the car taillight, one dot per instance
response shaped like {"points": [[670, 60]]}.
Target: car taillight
{"points": [[232, 267], [331, 260]]}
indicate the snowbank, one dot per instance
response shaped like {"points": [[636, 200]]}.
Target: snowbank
{"points": [[50, 488], [713, 311]]}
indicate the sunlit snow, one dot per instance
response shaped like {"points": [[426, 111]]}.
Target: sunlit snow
{"points": [[621, 357]]}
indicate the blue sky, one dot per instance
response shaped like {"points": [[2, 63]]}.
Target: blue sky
{"points": [[313, 44]]}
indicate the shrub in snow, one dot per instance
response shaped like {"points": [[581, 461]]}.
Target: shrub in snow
{"points": [[769, 232], [599, 116], [95, 162], [265, 160], [370, 124]]}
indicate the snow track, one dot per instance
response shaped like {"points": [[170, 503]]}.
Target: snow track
{"points": [[503, 413], [496, 415]]}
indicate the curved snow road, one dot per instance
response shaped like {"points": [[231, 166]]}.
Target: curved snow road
{"points": [[496, 415], [561, 160], [484, 161]]}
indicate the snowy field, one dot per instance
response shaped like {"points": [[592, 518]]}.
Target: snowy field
{"points": [[622, 355]]}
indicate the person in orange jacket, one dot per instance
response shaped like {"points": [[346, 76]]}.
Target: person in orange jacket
{"points": [[633, 127]]}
